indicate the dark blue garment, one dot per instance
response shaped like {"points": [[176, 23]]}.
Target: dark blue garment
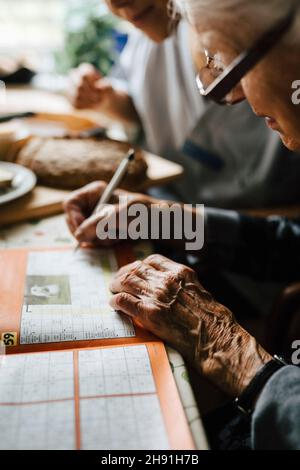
{"points": [[207, 158], [262, 248], [276, 419]]}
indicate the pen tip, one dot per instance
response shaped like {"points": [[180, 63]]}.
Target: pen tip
{"points": [[131, 155]]}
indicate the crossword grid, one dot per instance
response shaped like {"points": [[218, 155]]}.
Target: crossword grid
{"points": [[38, 402], [45, 324], [86, 315], [26, 380], [127, 413]]}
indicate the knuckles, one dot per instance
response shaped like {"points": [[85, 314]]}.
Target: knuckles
{"points": [[169, 280], [66, 204], [185, 272], [121, 299], [154, 259]]}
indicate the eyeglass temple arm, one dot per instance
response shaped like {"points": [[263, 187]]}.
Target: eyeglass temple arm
{"points": [[232, 75]]}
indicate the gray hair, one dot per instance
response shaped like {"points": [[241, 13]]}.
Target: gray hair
{"points": [[256, 14]]}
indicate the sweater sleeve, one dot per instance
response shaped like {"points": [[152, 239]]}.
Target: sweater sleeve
{"points": [[264, 248], [276, 419]]}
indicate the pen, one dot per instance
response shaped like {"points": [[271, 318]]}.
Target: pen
{"points": [[113, 184], [10, 117]]}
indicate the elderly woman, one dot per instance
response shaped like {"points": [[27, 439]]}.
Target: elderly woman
{"points": [[154, 85], [243, 44]]}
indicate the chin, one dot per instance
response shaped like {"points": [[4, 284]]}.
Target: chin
{"points": [[290, 143], [158, 37]]}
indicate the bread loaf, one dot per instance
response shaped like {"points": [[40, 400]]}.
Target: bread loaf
{"points": [[70, 163]]}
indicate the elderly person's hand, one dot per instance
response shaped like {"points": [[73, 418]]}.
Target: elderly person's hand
{"points": [[81, 203], [168, 300], [88, 88]]}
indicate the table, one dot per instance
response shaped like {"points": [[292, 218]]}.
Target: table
{"points": [[53, 231], [55, 110]]}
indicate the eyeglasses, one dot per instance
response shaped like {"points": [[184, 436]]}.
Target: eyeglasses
{"points": [[232, 75]]}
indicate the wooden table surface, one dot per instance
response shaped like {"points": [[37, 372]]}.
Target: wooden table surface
{"points": [[44, 201]]}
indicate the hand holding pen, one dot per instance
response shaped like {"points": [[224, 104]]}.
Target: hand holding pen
{"points": [[76, 221]]}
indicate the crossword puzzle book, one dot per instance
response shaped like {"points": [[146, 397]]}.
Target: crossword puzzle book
{"points": [[75, 373]]}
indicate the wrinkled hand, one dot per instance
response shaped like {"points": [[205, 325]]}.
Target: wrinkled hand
{"points": [[167, 299], [81, 203], [88, 89]]}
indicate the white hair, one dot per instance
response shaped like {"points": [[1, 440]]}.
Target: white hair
{"points": [[255, 14]]}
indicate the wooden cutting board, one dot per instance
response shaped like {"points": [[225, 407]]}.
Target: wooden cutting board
{"points": [[43, 201]]}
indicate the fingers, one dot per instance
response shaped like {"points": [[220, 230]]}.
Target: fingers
{"points": [[138, 278], [133, 307], [127, 268], [161, 263], [104, 225], [126, 303], [146, 278], [89, 73], [88, 230], [84, 92], [85, 100], [84, 73], [107, 224], [102, 85], [130, 283], [79, 205], [74, 219], [84, 199], [90, 70], [85, 96]]}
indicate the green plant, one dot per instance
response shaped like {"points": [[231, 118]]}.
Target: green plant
{"points": [[90, 36]]}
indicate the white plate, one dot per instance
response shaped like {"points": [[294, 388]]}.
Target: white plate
{"points": [[24, 181]]}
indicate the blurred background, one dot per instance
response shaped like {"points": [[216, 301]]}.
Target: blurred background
{"points": [[50, 37]]}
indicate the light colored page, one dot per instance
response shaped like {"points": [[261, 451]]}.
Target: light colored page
{"points": [[119, 405], [37, 401], [67, 298], [91, 399], [122, 423]]}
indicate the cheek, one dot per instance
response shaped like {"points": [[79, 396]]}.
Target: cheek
{"points": [[259, 92], [160, 4]]}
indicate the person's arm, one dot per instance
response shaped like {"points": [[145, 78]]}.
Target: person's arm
{"points": [[264, 248], [167, 299], [276, 419], [120, 107], [90, 90]]}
